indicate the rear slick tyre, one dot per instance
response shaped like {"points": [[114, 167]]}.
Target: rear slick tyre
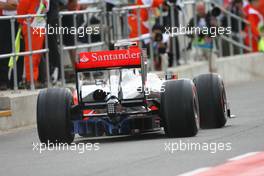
{"points": [[54, 116], [212, 101], [180, 109]]}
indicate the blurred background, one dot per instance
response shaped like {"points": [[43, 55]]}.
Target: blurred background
{"points": [[175, 32]]}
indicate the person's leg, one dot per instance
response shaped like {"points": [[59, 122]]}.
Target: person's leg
{"points": [[54, 55], [26, 59], [68, 39], [164, 62], [21, 61], [37, 44], [199, 53], [73, 58], [170, 54], [3, 73], [225, 48], [36, 62], [193, 53], [35, 66], [27, 66], [174, 57], [5, 48], [205, 54], [177, 48], [170, 59]]}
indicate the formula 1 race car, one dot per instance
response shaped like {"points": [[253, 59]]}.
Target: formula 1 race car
{"points": [[115, 95]]}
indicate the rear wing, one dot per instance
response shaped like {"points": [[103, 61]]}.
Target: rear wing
{"points": [[131, 57], [105, 60]]}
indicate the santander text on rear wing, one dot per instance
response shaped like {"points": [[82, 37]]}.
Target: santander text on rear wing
{"points": [[100, 60]]}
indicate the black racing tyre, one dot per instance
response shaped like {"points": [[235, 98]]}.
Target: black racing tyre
{"points": [[212, 100], [54, 116], [179, 108]]}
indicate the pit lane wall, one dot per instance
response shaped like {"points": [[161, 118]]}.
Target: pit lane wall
{"points": [[19, 109], [235, 69]]}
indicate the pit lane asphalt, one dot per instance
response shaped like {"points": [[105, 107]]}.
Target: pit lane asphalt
{"points": [[143, 155]]}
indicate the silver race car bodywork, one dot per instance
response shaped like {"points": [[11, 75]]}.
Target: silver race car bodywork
{"points": [[131, 85]]}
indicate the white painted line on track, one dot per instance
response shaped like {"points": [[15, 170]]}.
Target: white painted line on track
{"points": [[196, 171], [243, 156]]}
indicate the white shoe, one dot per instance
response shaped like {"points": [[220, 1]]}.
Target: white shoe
{"points": [[55, 75]]}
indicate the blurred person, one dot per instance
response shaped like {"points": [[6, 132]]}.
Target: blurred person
{"points": [[144, 18], [167, 22], [236, 8], [54, 55], [160, 46], [31, 7], [94, 22], [67, 21], [8, 8], [226, 3], [144, 26], [202, 45], [246, 6], [255, 19]]}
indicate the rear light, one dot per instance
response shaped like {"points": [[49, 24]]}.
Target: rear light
{"points": [[112, 107]]}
